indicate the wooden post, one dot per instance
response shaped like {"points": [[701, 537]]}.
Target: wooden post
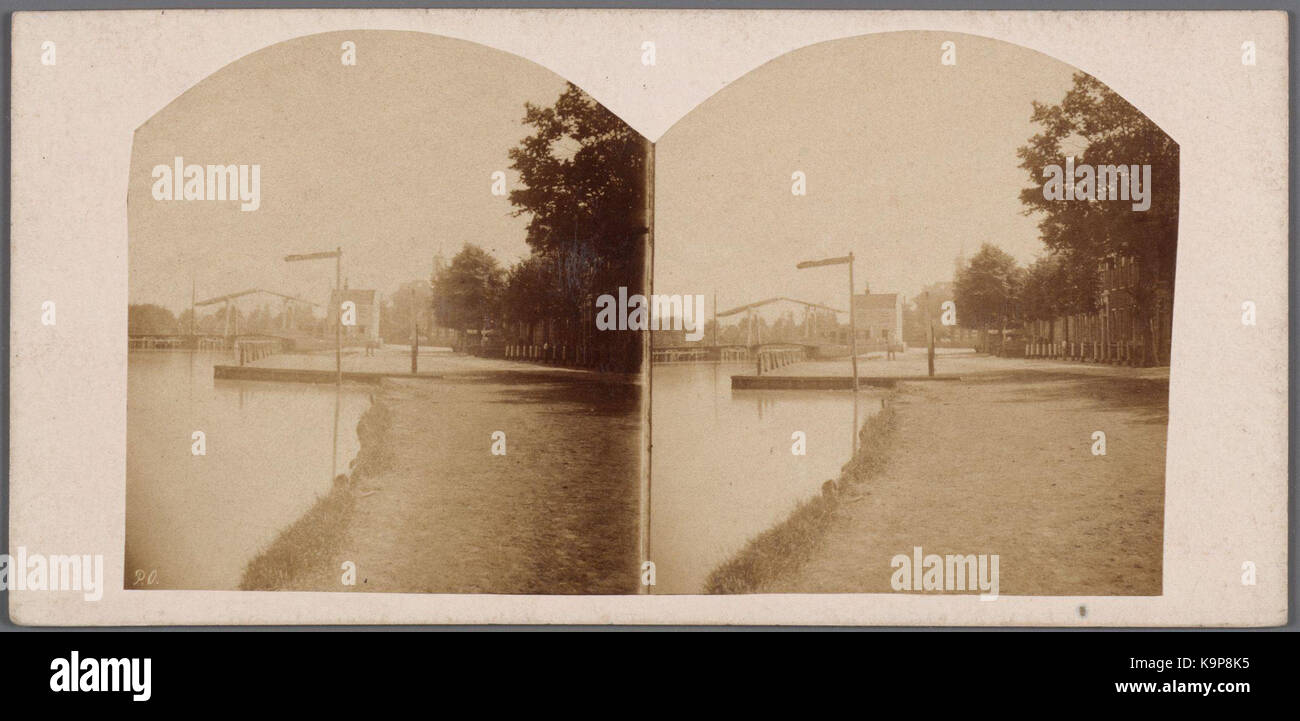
{"points": [[415, 337], [853, 342], [338, 322], [1105, 329], [338, 359], [715, 317], [929, 324]]}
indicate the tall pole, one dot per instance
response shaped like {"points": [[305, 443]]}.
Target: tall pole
{"points": [[929, 325], [338, 318], [338, 357], [194, 330], [415, 334], [337, 301], [853, 334], [853, 326], [853, 350]]}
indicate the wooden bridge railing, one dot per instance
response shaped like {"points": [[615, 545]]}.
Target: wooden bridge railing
{"points": [[246, 348], [733, 353], [249, 350], [700, 353], [772, 358], [154, 342], [766, 358], [678, 355], [177, 341]]}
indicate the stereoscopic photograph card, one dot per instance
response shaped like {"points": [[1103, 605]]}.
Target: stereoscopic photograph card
{"points": [[648, 317]]}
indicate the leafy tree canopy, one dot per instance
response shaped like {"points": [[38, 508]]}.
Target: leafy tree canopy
{"points": [[987, 288], [1098, 127], [583, 173], [150, 319], [467, 291]]}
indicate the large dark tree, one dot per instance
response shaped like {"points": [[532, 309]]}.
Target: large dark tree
{"points": [[584, 176], [468, 290], [1098, 127], [533, 290], [1041, 293], [987, 289]]}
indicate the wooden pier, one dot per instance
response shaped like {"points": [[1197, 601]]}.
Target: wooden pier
{"points": [[825, 383], [305, 375]]}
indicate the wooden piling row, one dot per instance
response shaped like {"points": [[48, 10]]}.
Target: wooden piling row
{"points": [[770, 359], [249, 351]]}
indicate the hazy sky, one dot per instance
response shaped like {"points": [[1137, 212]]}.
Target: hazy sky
{"points": [[391, 159], [908, 163]]}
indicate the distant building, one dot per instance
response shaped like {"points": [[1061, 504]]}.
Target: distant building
{"points": [[879, 319], [367, 322]]}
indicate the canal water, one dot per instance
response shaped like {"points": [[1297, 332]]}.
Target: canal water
{"points": [[193, 522], [722, 467]]}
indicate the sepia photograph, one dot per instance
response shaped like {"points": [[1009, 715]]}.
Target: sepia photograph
{"points": [[635, 318], [938, 272], [362, 345]]}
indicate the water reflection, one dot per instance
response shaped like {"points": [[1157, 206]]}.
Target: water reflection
{"points": [[722, 467], [271, 448]]}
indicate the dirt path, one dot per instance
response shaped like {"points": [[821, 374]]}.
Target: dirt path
{"points": [[556, 514], [1002, 464]]}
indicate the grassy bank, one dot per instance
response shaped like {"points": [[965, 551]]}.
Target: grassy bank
{"points": [[781, 549], [314, 540], [1002, 464]]}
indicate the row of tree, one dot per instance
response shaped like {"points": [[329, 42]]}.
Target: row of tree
{"points": [[152, 319], [1097, 127], [583, 177]]}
